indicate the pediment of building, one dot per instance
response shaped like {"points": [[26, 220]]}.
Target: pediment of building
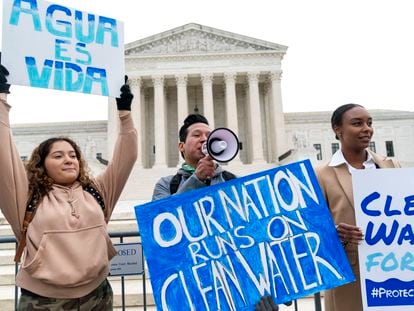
{"points": [[198, 39]]}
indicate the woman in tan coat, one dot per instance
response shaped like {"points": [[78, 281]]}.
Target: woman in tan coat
{"points": [[352, 125]]}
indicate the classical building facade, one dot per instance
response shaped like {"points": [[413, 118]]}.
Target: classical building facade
{"points": [[308, 135], [232, 79], [235, 81]]}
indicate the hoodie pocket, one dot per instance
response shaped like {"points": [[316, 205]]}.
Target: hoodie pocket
{"points": [[71, 258]]}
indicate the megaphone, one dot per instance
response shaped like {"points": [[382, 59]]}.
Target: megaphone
{"points": [[222, 145]]}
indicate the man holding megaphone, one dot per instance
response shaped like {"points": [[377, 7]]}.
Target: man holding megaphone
{"points": [[201, 149], [200, 152]]}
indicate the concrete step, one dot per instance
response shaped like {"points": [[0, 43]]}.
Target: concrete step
{"points": [[7, 246], [6, 257], [7, 274]]}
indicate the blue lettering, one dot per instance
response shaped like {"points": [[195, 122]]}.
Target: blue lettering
{"points": [[35, 79], [66, 76], [67, 29], [373, 196], [58, 81], [90, 78], [387, 208], [59, 49], [90, 36], [370, 261], [111, 28], [406, 262], [389, 263], [70, 84], [33, 11], [406, 234], [80, 48], [409, 205], [381, 234]]}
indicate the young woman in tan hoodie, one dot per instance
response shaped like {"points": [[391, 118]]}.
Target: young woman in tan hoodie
{"points": [[66, 258]]}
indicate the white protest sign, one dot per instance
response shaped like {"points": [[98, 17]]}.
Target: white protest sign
{"points": [[384, 206], [52, 46], [128, 260]]}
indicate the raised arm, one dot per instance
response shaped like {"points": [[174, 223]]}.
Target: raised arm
{"points": [[13, 178], [112, 181]]}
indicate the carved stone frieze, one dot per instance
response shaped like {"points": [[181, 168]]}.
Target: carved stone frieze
{"points": [[195, 41]]}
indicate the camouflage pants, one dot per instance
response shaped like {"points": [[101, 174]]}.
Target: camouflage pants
{"points": [[100, 299]]}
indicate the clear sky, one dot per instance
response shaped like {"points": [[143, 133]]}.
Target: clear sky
{"points": [[358, 51]]}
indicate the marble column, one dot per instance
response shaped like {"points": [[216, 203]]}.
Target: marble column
{"points": [[182, 105], [231, 102], [208, 104], [137, 115], [255, 123], [231, 107], [159, 122], [182, 98], [277, 116]]}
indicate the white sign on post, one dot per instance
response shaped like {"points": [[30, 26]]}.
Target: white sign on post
{"points": [[384, 206], [128, 260], [52, 46]]}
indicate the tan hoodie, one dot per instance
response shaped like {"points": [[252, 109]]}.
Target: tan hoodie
{"points": [[68, 247]]}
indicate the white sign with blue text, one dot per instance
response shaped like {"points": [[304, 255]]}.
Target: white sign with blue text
{"points": [[384, 206], [53, 46], [225, 246]]}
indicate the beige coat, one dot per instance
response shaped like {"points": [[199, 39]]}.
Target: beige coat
{"points": [[336, 184]]}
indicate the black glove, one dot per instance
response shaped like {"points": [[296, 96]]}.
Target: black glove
{"points": [[4, 86], [124, 102], [266, 303]]}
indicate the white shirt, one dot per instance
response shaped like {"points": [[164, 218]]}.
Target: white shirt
{"points": [[338, 159]]}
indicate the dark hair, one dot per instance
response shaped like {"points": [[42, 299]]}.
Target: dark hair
{"points": [[336, 118], [39, 182], [190, 120]]}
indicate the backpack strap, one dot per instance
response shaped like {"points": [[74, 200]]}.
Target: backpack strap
{"points": [[175, 183], [96, 195], [30, 213], [28, 217], [228, 176]]}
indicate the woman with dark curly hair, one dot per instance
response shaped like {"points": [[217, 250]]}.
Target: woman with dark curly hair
{"points": [[40, 183], [59, 214]]}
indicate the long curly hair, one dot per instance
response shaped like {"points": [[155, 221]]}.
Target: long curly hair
{"points": [[39, 182]]}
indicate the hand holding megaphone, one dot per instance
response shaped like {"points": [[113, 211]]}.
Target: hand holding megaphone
{"points": [[222, 145]]}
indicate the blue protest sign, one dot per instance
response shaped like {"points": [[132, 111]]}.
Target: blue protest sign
{"points": [[224, 246]]}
